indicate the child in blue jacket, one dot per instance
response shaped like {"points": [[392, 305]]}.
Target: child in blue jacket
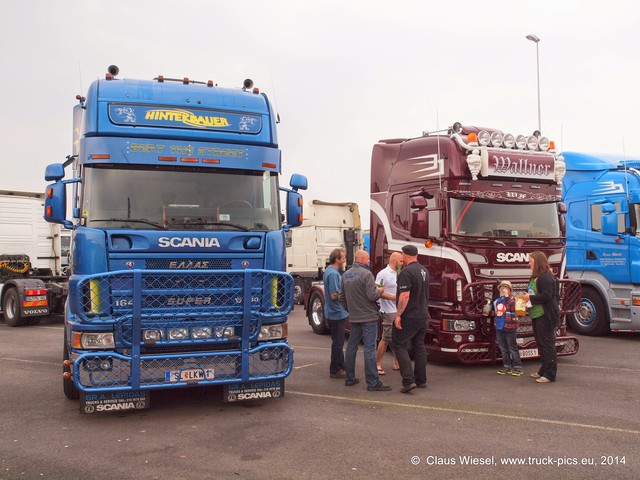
{"points": [[506, 324]]}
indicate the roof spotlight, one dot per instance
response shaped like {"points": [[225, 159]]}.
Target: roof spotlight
{"points": [[496, 139], [521, 142], [484, 138], [544, 143], [509, 140], [248, 84], [532, 142]]}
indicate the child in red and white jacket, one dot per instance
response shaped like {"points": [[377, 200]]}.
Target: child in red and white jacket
{"points": [[506, 323]]}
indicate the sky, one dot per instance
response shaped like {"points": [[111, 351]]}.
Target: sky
{"points": [[341, 74]]}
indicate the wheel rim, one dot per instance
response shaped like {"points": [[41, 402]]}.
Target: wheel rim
{"points": [[586, 314], [317, 313], [11, 307], [297, 292]]}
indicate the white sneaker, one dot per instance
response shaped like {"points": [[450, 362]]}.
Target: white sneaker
{"points": [[535, 375], [542, 380]]}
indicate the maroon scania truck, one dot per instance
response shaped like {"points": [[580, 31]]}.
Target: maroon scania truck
{"points": [[475, 202]]}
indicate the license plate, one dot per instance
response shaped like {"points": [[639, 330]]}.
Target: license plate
{"points": [[529, 352], [188, 375]]}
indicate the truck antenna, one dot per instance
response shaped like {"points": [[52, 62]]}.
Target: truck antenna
{"points": [[275, 99], [80, 75]]}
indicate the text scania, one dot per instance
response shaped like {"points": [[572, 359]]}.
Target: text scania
{"points": [[180, 242], [508, 257]]}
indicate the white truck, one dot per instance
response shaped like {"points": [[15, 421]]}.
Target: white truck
{"points": [[325, 226], [32, 279]]}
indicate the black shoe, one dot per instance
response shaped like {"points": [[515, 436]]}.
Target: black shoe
{"points": [[422, 385], [351, 383], [339, 374], [408, 388], [380, 387]]}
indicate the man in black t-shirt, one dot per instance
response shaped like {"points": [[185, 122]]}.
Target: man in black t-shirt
{"points": [[410, 324]]}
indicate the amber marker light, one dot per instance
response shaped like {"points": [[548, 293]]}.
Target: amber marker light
{"points": [[49, 192], [168, 159], [100, 156], [76, 339], [215, 161], [189, 160], [49, 211], [472, 138], [428, 244], [552, 145], [269, 165]]}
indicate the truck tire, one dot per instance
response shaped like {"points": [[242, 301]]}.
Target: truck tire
{"points": [[592, 317], [11, 309], [299, 290], [70, 390], [315, 314]]}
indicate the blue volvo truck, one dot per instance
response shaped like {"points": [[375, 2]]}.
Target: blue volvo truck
{"points": [[602, 194], [178, 274]]}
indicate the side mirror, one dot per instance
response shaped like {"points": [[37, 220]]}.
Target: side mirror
{"points": [[294, 210], [298, 182], [562, 207], [55, 204], [54, 172]]}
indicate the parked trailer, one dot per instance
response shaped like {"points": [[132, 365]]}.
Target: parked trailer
{"points": [[32, 280], [325, 226]]}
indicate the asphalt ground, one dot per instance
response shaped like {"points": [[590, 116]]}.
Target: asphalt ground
{"points": [[469, 422]]}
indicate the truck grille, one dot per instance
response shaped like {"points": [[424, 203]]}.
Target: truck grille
{"points": [[193, 263]]}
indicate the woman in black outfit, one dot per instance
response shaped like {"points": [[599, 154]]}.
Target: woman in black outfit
{"points": [[544, 313]]}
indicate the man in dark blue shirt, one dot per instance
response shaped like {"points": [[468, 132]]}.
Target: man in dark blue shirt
{"points": [[410, 324]]}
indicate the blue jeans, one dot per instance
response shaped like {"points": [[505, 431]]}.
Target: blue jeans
{"points": [[367, 332], [509, 348], [337, 344]]}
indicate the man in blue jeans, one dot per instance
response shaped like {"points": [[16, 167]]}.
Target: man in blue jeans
{"points": [[360, 295], [334, 312]]}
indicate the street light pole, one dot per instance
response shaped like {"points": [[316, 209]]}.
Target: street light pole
{"points": [[536, 40]]}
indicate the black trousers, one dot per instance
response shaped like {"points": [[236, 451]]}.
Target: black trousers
{"points": [[411, 337], [544, 331], [337, 344]]}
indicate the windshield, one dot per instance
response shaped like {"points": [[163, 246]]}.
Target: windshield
{"points": [[483, 219], [167, 198]]}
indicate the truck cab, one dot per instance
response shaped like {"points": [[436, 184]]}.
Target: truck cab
{"points": [[602, 194]]}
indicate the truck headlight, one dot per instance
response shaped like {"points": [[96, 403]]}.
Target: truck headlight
{"points": [[178, 334], [93, 340], [224, 332], [198, 333], [273, 332], [459, 325]]}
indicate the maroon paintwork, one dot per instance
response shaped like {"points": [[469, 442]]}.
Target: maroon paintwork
{"points": [[465, 268]]}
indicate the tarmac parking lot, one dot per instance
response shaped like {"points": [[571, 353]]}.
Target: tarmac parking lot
{"points": [[469, 422]]}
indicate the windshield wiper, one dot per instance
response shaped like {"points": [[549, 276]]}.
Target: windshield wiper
{"points": [[206, 224], [131, 220]]}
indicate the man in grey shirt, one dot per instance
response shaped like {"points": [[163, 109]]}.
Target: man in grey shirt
{"points": [[360, 295]]}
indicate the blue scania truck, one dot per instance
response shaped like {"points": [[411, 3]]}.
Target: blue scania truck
{"points": [[602, 194], [178, 274]]}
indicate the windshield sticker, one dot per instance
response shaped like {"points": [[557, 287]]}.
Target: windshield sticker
{"points": [[140, 115]]}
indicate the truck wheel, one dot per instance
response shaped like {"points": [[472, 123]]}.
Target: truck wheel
{"points": [[70, 390], [591, 317], [11, 309], [316, 314], [298, 291]]}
